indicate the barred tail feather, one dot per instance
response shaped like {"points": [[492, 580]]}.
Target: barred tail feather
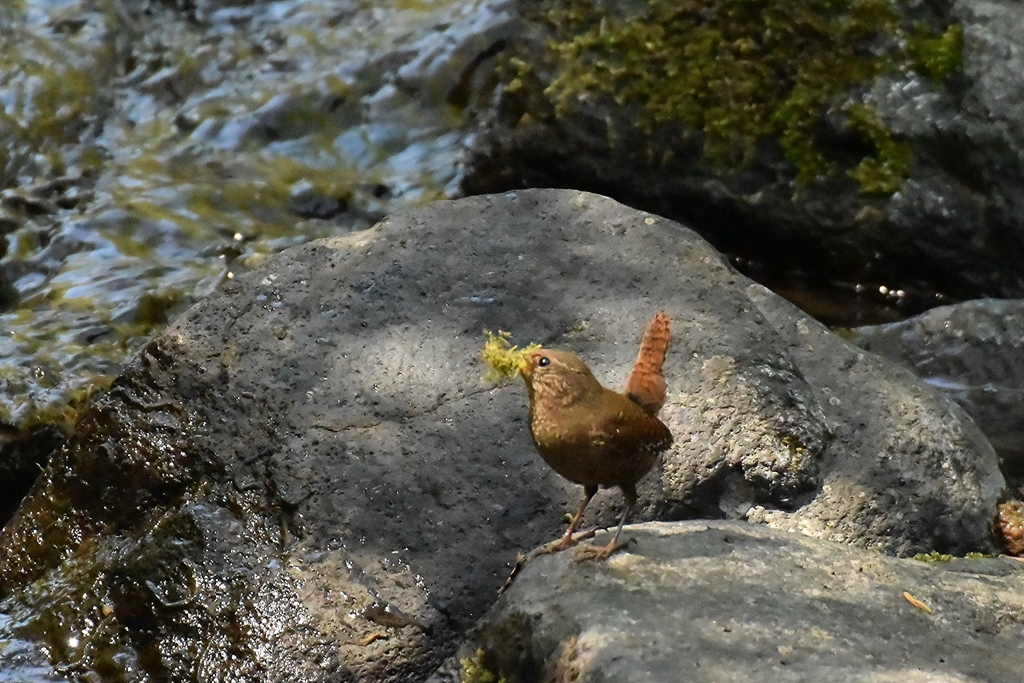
{"points": [[646, 386]]}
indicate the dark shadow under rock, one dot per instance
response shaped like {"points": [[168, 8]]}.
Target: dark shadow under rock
{"points": [[23, 454]]}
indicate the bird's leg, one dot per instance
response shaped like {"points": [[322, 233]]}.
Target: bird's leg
{"points": [[592, 552], [567, 541]]}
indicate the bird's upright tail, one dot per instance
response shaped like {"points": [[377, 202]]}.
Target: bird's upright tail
{"points": [[646, 386]]}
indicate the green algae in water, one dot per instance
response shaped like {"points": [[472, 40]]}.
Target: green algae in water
{"points": [[51, 91], [741, 72], [171, 203]]}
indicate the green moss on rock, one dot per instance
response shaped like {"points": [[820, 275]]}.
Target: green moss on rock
{"points": [[933, 556], [478, 669], [734, 74], [939, 56]]}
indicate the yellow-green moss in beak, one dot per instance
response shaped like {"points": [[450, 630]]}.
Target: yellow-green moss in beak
{"points": [[504, 359]]}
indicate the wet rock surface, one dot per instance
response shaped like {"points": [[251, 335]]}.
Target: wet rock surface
{"points": [[305, 477], [721, 601], [913, 138], [974, 353]]}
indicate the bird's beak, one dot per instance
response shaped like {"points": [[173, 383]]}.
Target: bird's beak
{"points": [[529, 363]]}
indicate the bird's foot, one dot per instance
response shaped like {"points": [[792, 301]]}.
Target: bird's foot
{"points": [[564, 543], [599, 552]]}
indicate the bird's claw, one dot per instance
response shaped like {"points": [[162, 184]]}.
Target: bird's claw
{"points": [[564, 543], [599, 553], [581, 536]]}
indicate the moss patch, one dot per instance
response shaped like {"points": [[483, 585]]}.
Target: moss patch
{"points": [[933, 556], [735, 74], [478, 669], [939, 56], [936, 556]]}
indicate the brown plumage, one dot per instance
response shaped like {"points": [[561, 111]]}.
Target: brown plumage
{"points": [[594, 436]]}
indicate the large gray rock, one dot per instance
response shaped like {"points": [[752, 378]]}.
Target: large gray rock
{"points": [[974, 353], [897, 477], [305, 477], [726, 602]]}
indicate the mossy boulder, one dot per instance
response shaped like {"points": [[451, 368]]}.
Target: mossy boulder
{"points": [[862, 143]]}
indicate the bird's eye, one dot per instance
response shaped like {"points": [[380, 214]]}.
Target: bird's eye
{"points": [[544, 362]]}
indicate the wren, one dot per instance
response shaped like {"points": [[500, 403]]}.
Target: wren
{"points": [[594, 436]]}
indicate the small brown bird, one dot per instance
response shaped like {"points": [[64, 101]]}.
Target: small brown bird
{"points": [[594, 436]]}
